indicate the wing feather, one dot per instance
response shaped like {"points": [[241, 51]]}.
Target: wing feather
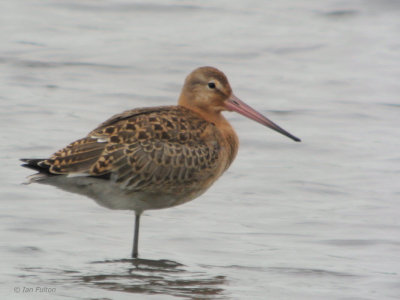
{"points": [[77, 157], [145, 149]]}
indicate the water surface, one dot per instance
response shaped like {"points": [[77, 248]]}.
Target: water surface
{"points": [[315, 220]]}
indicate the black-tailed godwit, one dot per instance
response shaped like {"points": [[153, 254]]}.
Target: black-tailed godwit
{"points": [[155, 157]]}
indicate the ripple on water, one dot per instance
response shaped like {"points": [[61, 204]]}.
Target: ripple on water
{"points": [[294, 271], [140, 276], [311, 272], [359, 242]]}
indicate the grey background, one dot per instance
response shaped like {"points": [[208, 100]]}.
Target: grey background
{"points": [[316, 220]]}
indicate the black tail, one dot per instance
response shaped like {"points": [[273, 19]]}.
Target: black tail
{"points": [[41, 167], [36, 164]]}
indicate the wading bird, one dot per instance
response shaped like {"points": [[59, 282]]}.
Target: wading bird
{"points": [[155, 157]]}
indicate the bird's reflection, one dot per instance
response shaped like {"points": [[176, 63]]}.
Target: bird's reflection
{"points": [[155, 277]]}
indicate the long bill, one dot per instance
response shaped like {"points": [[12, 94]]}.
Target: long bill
{"points": [[235, 104]]}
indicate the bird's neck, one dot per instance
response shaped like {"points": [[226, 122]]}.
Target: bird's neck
{"points": [[207, 113], [230, 139]]}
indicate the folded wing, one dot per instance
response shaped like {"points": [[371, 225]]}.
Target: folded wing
{"points": [[144, 149]]}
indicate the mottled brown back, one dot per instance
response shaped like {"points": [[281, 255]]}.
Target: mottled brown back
{"points": [[151, 148]]}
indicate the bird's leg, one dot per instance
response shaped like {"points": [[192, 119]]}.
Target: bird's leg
{"points": [[136, 236]]}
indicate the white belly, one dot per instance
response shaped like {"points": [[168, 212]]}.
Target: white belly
{"points": [[109, 194]]}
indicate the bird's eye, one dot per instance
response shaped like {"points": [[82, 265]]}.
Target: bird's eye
{"points": [[211, 85]]}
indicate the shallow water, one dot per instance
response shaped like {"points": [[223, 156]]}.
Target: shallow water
{"points": [[315, 220]]}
